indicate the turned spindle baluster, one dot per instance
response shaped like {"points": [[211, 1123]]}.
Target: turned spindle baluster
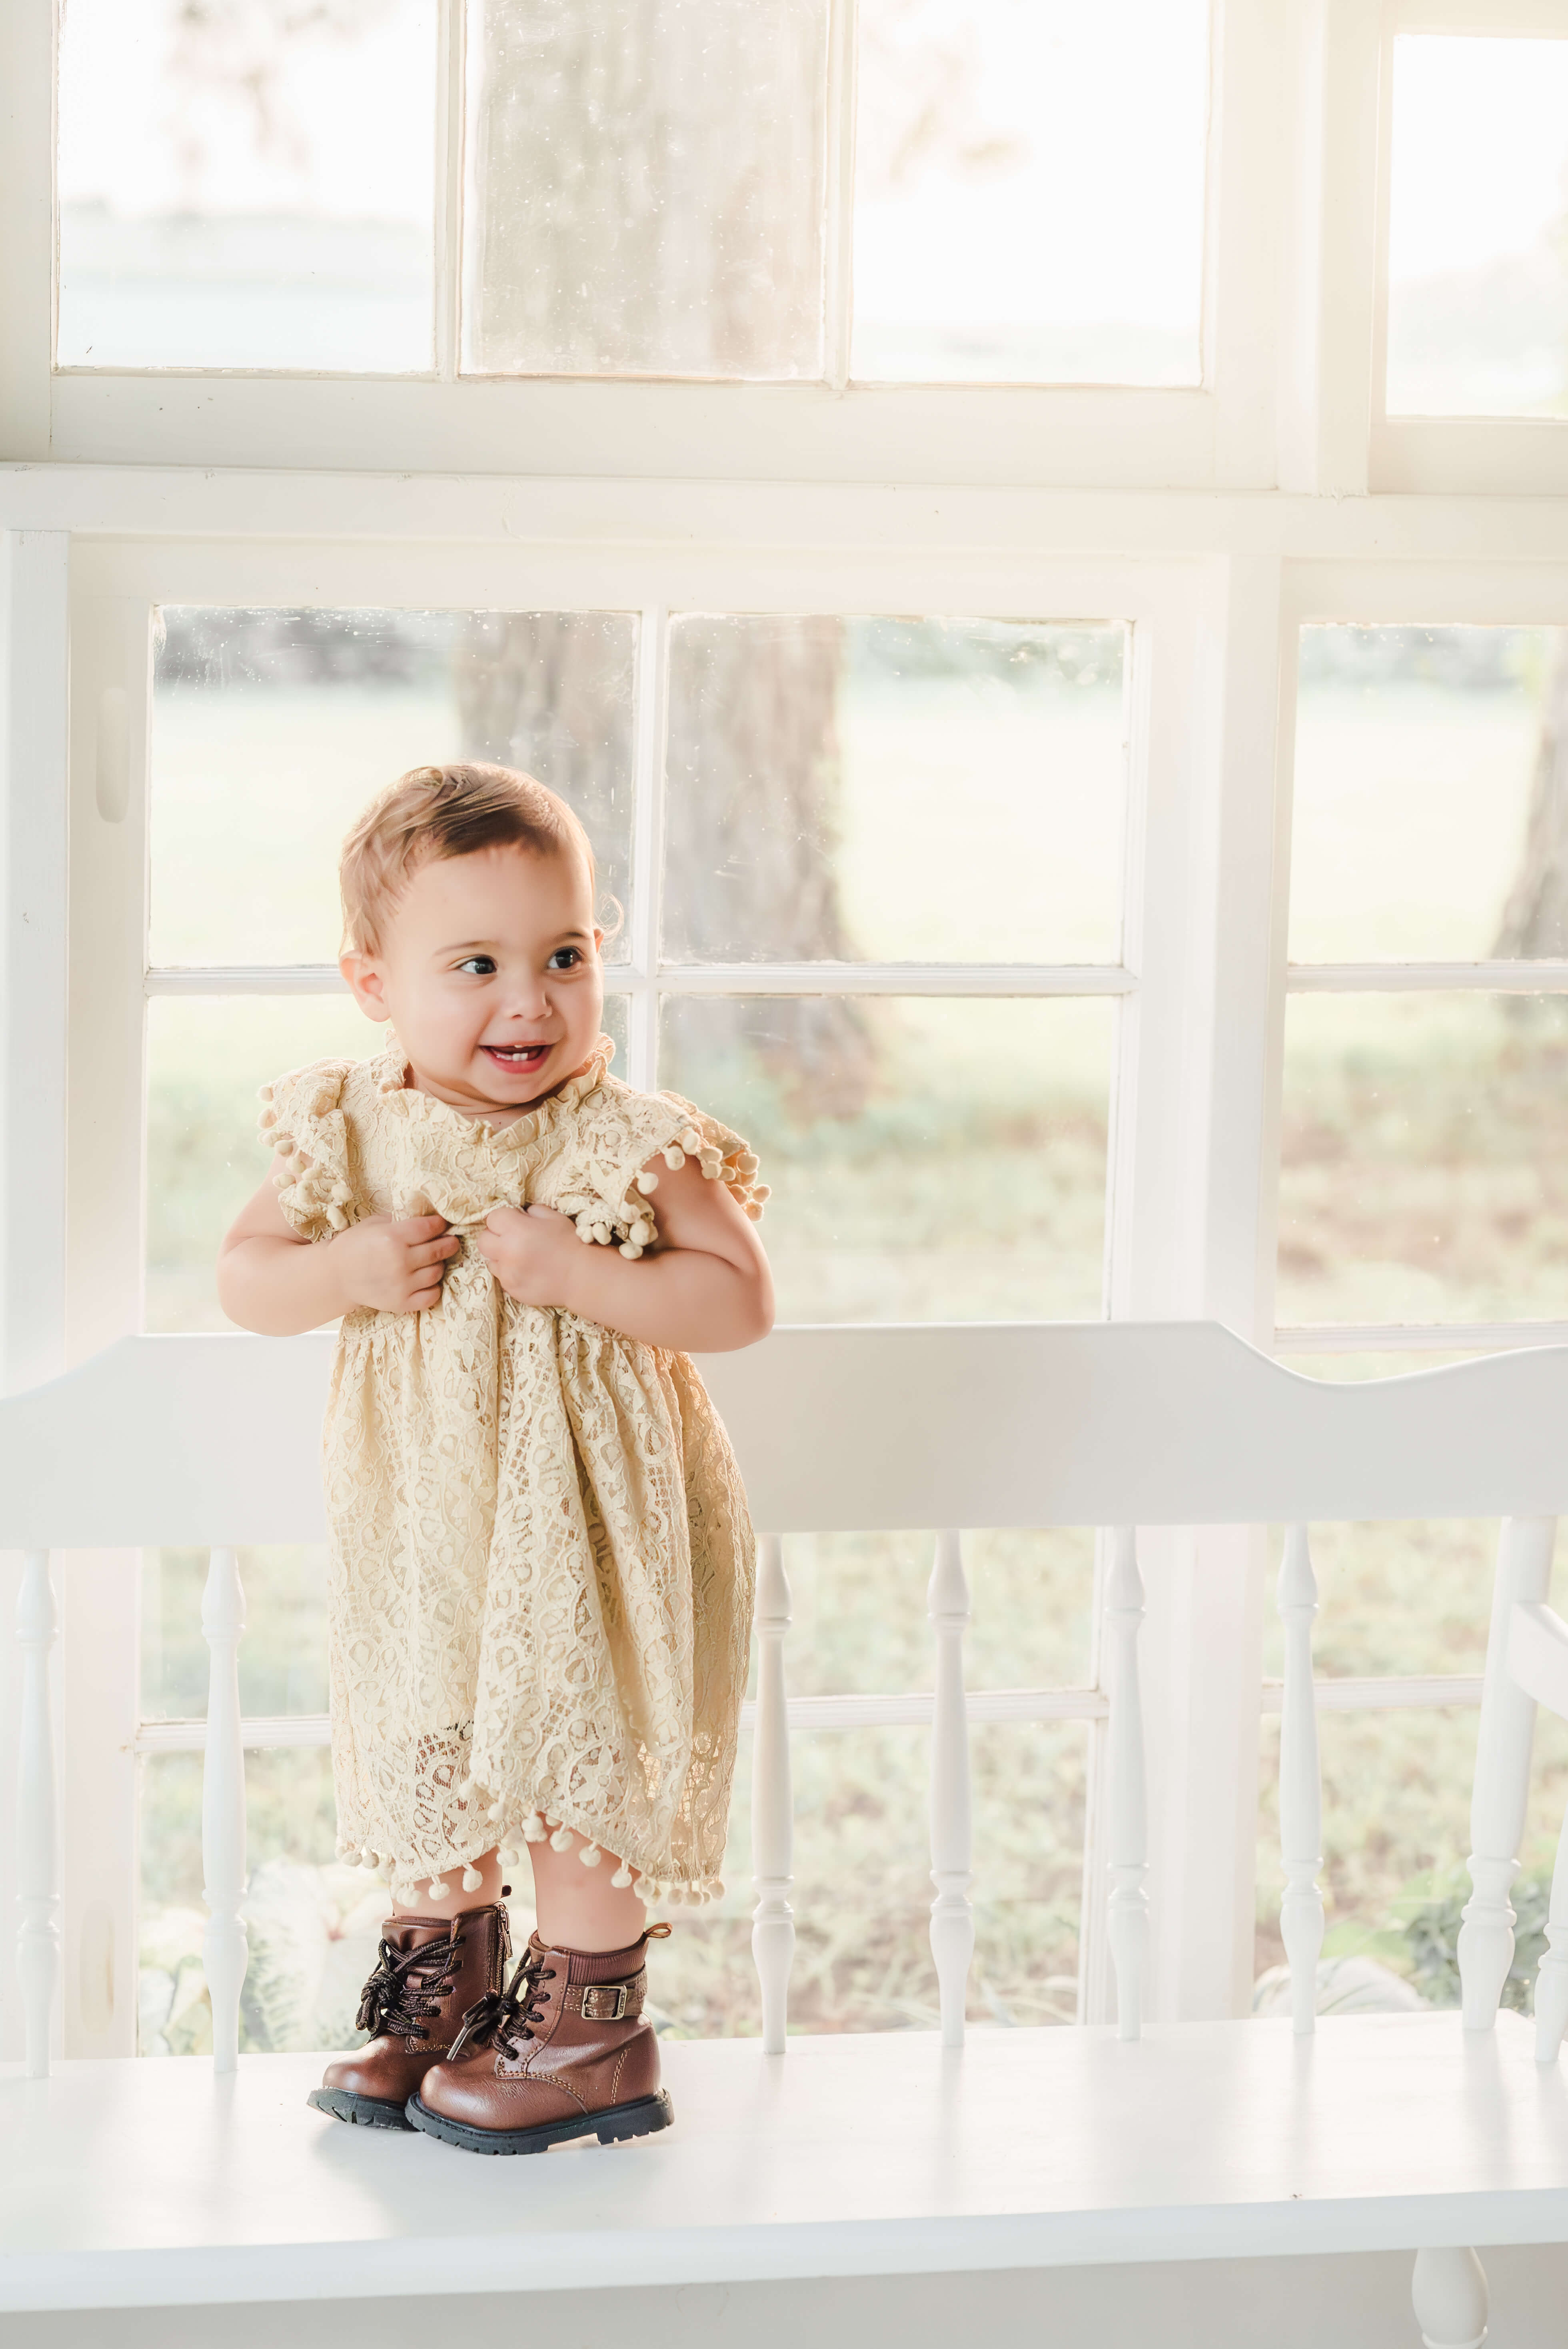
{"points": [[224, 1946], [1300, 1784], [1449, 2295], [1502, 1786], [37, 1816], [772, 1800], [952, 1916], [1127, 1913]]}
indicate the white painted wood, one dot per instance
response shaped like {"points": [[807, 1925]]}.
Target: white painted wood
{"points": [[1449, 2295], [863, 2154], [839, 258], [100, 1705], [1498, 1797], [1552, 1979], [449, 97], [679, 531], [224, 1947], [1300, 1785], [1538, 1654], [111, 657], [37, 1816], [952, 1914], [916, 432], [1127, 1844], [1419, 1336], [1548, 976], [34, 663], [643, 917], [772, 1800], [711, 978], [999, 1424], [27, 207]]}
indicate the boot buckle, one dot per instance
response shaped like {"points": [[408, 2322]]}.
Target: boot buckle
{"points": [[592, 2010]]}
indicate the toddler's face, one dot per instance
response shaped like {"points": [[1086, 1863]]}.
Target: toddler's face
{"points": [[490, 972]]}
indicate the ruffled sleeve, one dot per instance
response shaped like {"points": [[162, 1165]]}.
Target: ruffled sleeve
{"points": [[609, 1186], [723, 1156], [302, 1121]]}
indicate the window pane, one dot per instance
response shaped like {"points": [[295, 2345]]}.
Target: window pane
{"points": [[247, 187], [1478, 270], [859, 1624], [930, 1161], [312, 1922], [1395, 1599], [271, 729], [893, 790], [283, 1656], [1030, 191], [1431, 771], [207, 1058], [645, 186], [1422, 1174], [862, 1888], [1396, 1830]]}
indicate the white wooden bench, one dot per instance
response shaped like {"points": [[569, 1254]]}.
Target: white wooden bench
{"points": [[154, 2184]]}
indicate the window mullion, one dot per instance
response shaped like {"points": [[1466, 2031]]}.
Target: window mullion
{"points": [[840, 195], [647, 846], [448, 255]]}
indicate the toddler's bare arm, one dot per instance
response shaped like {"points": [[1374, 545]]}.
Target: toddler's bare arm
{"points": [[271, 1280], [705, 1287]]}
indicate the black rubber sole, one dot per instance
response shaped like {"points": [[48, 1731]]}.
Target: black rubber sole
{"points": [[360, 2112], [612, 2127]]}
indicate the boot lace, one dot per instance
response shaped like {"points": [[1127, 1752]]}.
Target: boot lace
{"points": [[400, 1996], [505, 2018]]}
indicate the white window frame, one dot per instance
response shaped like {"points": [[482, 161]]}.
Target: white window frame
{"points": [[1219, 432], [120, 491], [1485, 453]]}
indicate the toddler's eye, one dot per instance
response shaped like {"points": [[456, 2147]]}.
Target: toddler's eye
{"points": [[565, 958], [482, 965]]}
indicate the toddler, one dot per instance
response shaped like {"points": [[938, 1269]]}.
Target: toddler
{"points": [[540, 1568]]}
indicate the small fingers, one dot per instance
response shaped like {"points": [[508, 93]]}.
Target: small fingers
{"points": [[434, 1251], [419, 1227], [423, 1298]]}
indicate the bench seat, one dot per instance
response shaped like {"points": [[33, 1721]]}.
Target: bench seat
{"points": [[146, 2184]]}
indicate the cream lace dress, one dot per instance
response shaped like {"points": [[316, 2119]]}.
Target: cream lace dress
{"points": [[540, 1565]]}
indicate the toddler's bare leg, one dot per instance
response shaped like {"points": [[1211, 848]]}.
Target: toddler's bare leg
{"points": [[577, 1907], [454, 1898]]}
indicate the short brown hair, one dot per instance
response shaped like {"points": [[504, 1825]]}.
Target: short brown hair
{"points": [[439, 811]]}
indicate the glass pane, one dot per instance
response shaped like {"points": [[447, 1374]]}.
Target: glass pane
{"points": [[930, 1161], [1422, 1177], [207, 1058], [853, 790], [1395, 1599], [247, 187], [283, 1656], [645, 186], [273, 729], [1396, 1830], [862, 1888], [1030, 191], [313, 1922], [1478, 267], [1431, 776], [859, 1624]]}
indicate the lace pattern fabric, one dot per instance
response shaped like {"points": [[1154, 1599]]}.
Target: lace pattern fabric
{"points": [[542, 1564]]}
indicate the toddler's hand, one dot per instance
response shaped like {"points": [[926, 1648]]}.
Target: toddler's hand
{"points": [[531, 1252], [395, 1264]]}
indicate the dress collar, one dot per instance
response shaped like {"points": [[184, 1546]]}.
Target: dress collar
{"points": [[390, 1071]]}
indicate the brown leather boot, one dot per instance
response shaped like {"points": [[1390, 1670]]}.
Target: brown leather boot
{"points": [[430, 1971], [562, 2051]]}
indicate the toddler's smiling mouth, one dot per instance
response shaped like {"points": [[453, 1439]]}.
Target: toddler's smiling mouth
{"points": [[516, 1056]]}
